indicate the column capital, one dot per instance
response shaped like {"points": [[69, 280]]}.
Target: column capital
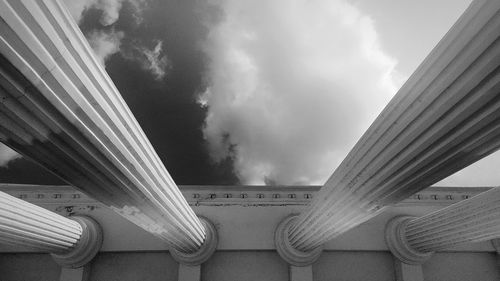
{"points": [[87, 246], [287, 251], [206, 249], [395, 238]]}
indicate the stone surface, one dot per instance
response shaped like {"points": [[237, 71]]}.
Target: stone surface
{"points": [[189, 272]]}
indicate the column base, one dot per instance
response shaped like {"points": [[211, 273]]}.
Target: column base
{"points": [[287, 251], [398, 245], [86, 248], [206, 250]]}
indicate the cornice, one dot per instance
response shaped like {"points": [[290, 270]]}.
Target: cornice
{"points": [[245, 196]]}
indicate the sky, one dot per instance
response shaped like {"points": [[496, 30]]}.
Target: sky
{"points": [[258, 92]]}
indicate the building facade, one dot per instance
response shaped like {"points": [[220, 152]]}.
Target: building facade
{"points": [[124, 218]]}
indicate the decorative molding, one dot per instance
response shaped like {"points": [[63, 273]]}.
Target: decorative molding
{"points": [[286, 250], [204, 252], [70, 200], [87, 246], [395, 237]]}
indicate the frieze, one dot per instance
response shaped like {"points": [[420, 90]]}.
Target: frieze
{"points": [[68, 197]]}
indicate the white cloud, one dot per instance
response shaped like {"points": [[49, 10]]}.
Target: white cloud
{"points": [[292, 86], [78, 7], [7, 155], [110, 9], [154, 61], [105, 43]]}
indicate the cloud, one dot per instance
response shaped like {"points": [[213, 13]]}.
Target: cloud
{"points": [[153, 61], [110, 9], [108, 41], [78, 7], [7, 155], [105, 43], [291, 87]]}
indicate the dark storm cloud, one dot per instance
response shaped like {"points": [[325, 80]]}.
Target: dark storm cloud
{"points": [[169, 34]]}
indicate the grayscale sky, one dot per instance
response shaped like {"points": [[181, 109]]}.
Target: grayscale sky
{"points": [[258, 92]]}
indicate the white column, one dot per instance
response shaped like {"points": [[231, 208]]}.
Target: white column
{"points": [[413, 240], [72, 242], [445, 117], [60, 108]]}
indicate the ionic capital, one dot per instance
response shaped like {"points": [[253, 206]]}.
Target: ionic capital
{"points": [[87, 246], [206, 249], [395, 238], [287, 251]]}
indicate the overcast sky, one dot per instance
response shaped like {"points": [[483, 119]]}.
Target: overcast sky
{"points": [[258, 92]]}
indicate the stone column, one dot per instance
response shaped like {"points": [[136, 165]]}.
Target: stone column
{"points": [[444, 118], [73, 242], [413, 240], [59, 108]]}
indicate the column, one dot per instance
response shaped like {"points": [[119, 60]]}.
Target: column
{"points": [[73, 242], [413, 240], [444, 118], [59, 108]]}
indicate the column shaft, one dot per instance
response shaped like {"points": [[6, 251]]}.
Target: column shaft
{"points": [[72, 242], [472, 220], [59, 108], [27, 225], [445, 117]]}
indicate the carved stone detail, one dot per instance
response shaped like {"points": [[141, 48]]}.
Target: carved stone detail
{"points": [[287, 251], [206, 249]]}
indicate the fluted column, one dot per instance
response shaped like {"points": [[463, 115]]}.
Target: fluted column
{"points": [[72, 242], [445, 117], [59, 107], [477, 219]]}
